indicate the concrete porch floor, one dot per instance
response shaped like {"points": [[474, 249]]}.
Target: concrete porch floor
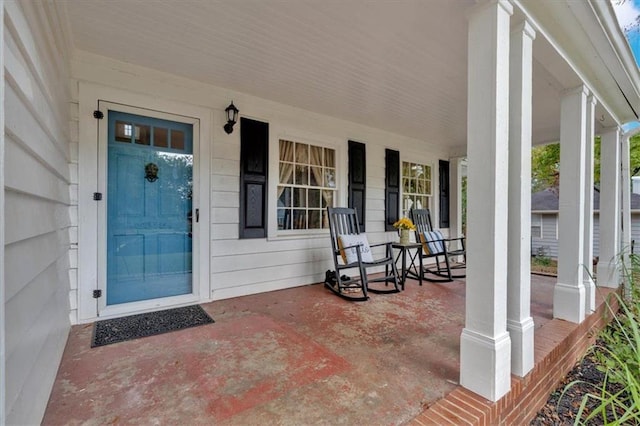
{"points": [[290, 357]]}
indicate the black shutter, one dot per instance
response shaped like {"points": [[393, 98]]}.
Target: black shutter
{"points": [[391, 188], [358, 180], [444, 193], [254, 161]]}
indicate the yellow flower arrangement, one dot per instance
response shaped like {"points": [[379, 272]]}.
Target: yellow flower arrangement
{"points": [[405, 223]]}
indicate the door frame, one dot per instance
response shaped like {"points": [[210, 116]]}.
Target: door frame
{"points": [[92, 177]]}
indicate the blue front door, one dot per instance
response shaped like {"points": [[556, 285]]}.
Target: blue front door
{"points": [[149, 208]]}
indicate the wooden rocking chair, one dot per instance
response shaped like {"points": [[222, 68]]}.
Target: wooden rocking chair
{"points": [[351, 250], [444, 250]]}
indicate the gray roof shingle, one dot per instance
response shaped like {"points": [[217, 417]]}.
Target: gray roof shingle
{"points": [[547, 200]]}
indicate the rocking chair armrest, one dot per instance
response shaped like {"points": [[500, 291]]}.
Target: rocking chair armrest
{"points": [[348, 247], [454, 239], [380, 244]]}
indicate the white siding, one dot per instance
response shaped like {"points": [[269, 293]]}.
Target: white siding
{"points": [[36, 211], [549, 241], [635, 231], [245, 266]]}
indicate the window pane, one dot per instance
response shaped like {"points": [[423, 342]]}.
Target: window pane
{"points": [[314, 219], [413, 203], [420, 186], [286, 150], [329, 157], [284, 198], [302, 175], [417, 171], [330, 178], [299, 219], [177, 139], [143, 135], [314, 198], [316, 156], [286, 173], [123, 131], [315, 178], [160, 137], [405, 185], [427, 187], [327, 198], [325, 219], [412, 186], [406, 168], [284, 219], [302, 153], [300, 197], [427, 172]]}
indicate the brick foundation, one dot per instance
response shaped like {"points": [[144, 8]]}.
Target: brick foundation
{"points": [[558, 346]]}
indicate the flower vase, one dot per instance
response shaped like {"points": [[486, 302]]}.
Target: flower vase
{"points": [[404, 236]]}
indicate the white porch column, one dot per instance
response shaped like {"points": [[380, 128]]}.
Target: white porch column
{"points": [[455, 197], [608, 270], [3, 364], [485, 346], [519, 321], [587, 264], [569, 292], [625, 182]]}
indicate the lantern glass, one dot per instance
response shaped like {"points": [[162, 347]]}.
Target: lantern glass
{"points": [[232, 113]]}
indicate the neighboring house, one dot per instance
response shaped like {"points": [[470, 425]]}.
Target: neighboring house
{"points": [[118, 167], [544, 222]]}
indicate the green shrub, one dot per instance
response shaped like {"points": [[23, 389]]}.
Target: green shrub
{"points": [[541, 258], [617, 400]]}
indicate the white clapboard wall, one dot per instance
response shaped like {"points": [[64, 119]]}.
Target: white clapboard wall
{"points": [[37, 200]]}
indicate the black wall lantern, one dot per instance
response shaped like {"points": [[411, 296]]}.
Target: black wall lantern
{"points": [[232, 117]]}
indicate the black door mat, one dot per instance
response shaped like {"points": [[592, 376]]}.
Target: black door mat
{"points": [[142, 325]]}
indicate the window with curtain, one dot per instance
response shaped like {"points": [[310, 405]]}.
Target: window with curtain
{"points": [[307, 185], [416, 187]]}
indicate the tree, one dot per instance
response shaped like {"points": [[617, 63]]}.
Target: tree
{"points": [[545, 164]]}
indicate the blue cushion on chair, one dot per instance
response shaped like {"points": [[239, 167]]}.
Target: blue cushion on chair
{"points": [[432, 242]]}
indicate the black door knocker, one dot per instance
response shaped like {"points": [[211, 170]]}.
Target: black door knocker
{"points": [[151, 172]]}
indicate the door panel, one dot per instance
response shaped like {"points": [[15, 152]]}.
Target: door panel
{"points": [[149, 203]]}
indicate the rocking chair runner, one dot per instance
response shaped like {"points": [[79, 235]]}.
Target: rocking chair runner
{"points": [[436, 246], [352, 248]]}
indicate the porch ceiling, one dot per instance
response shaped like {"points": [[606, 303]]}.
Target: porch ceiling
{"points": [[401, 67]]}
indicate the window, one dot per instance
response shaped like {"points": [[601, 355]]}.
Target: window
{"points": [[416, 186], [536, 226], [150, 135], [307, 185]]}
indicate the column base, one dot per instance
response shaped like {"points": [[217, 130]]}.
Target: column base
{"points": [[485, 364], [521, 334], [569, 302], [608, 274], [589, 295]]}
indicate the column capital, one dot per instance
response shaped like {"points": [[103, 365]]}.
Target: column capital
{"points": [[611, 129], [591, 99], [484, 4], [578, 90], [524, 27]]}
